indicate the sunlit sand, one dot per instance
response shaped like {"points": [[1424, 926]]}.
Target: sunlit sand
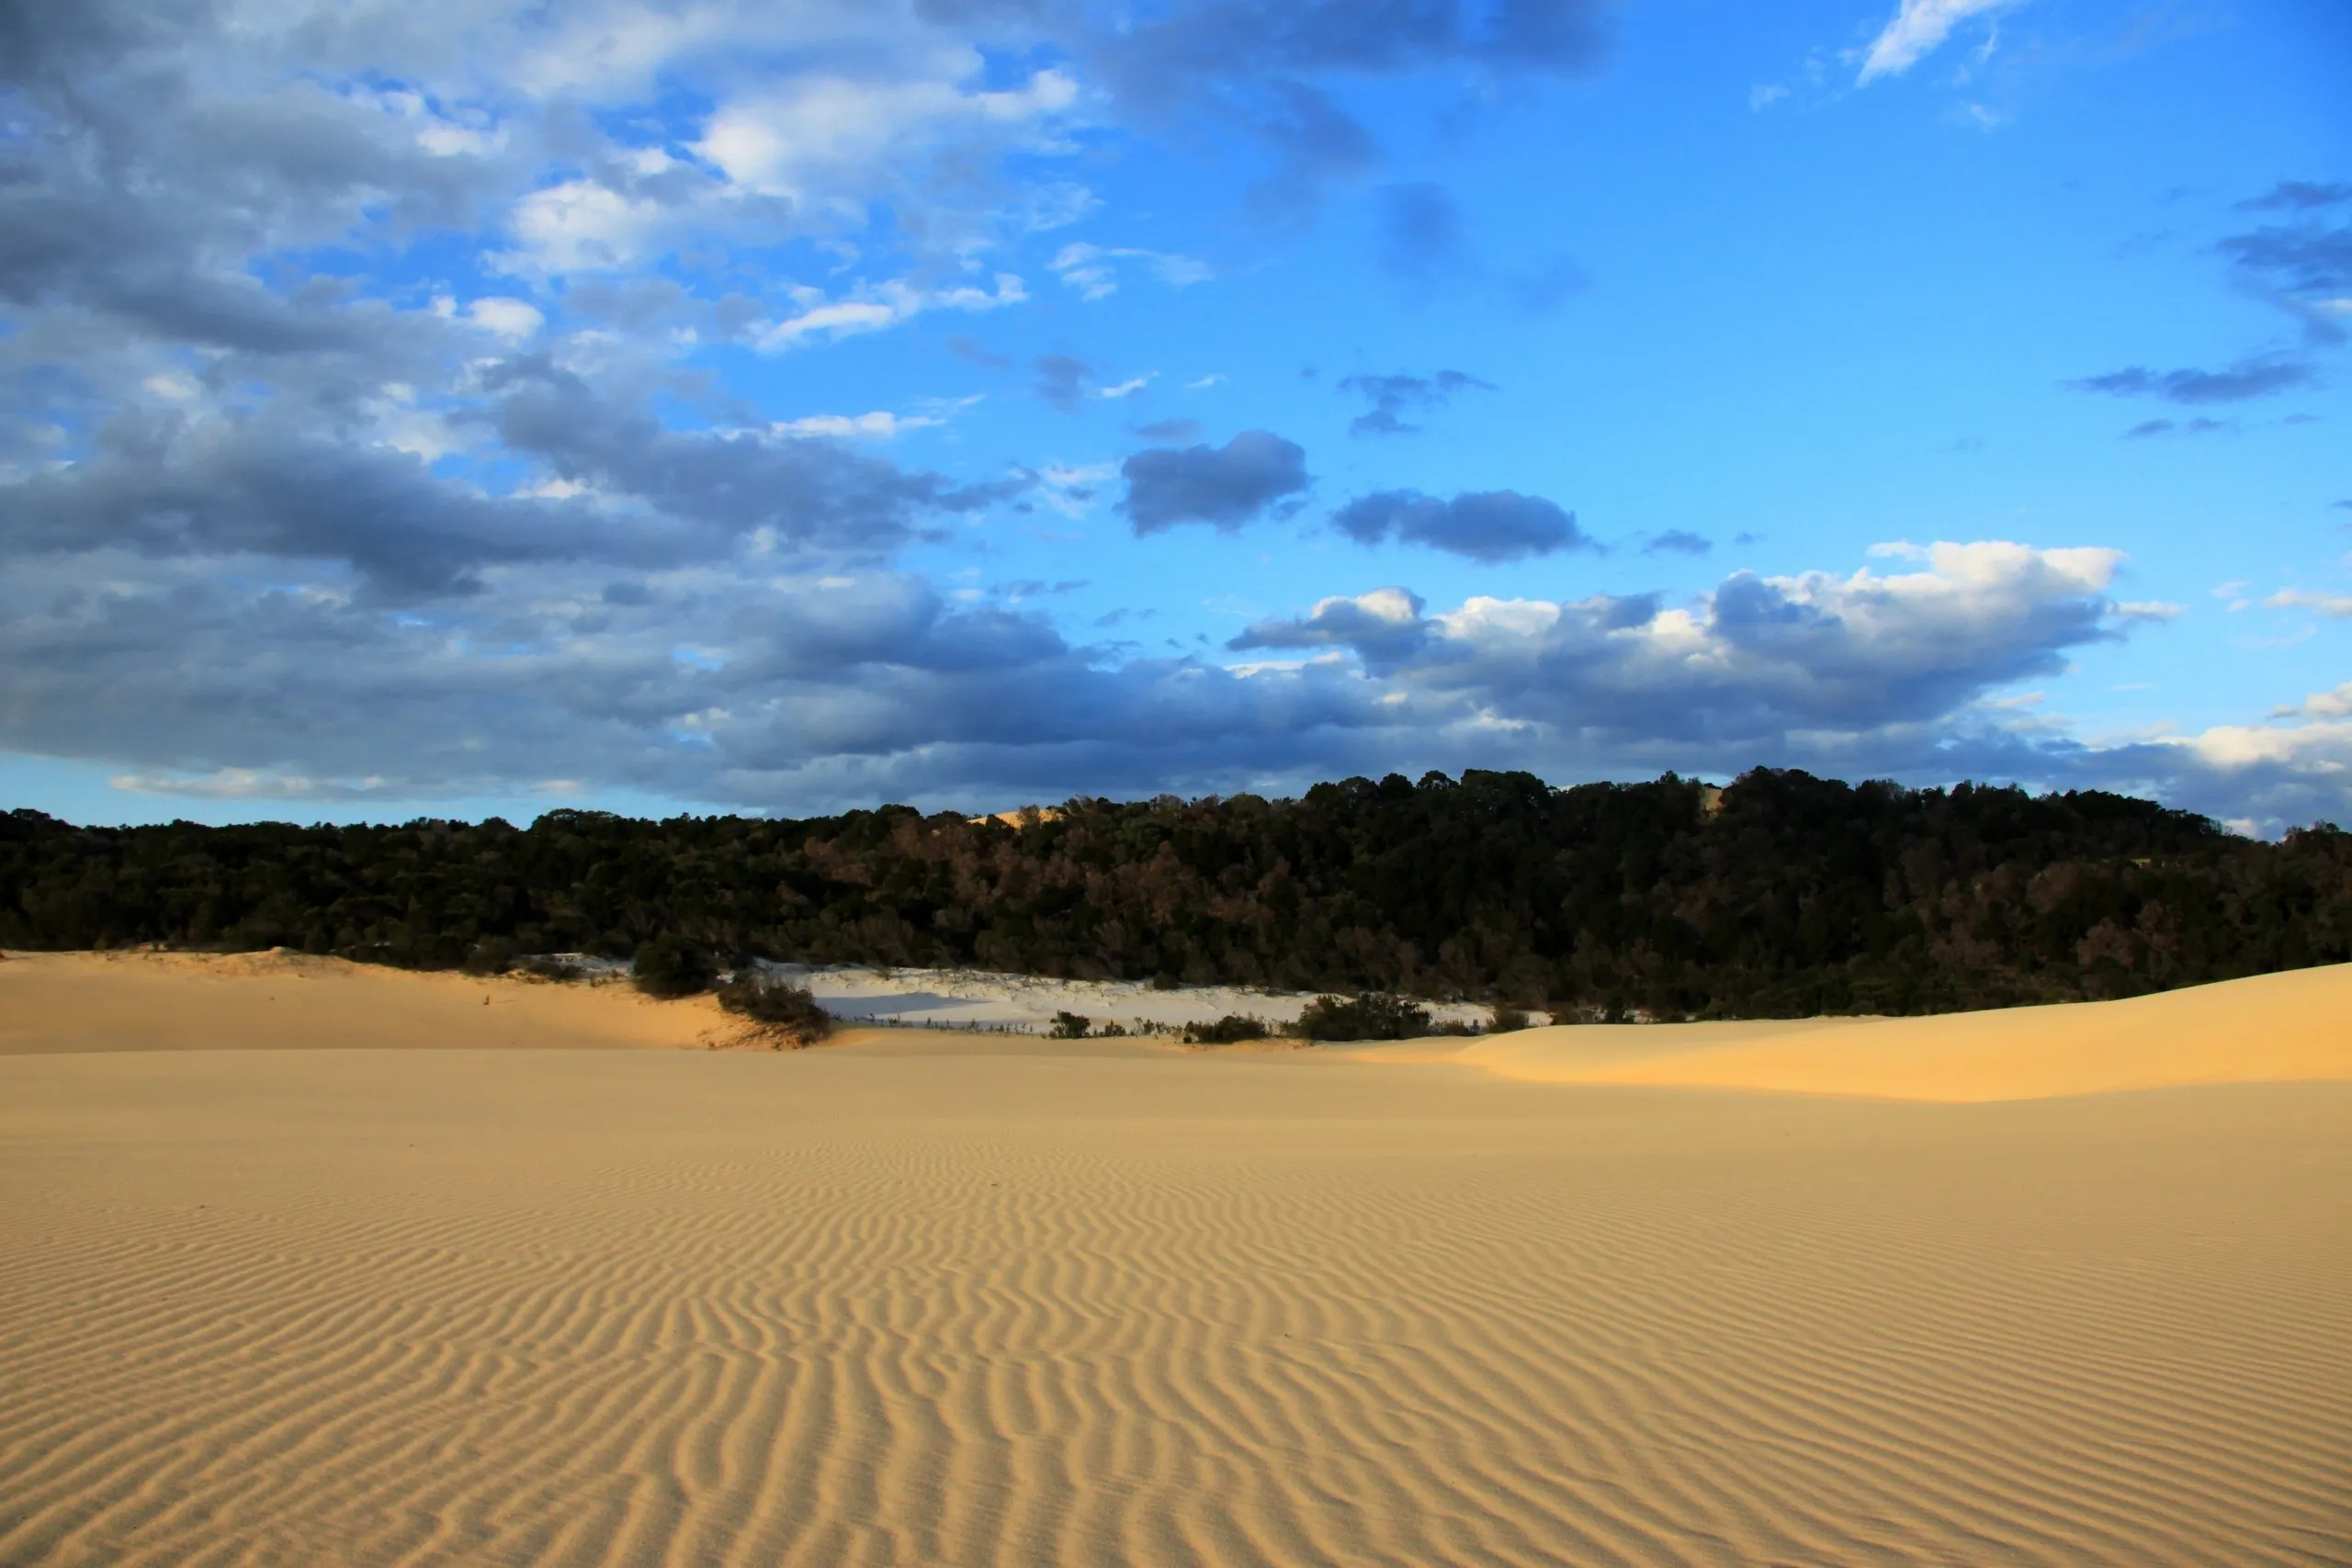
{"points": [[1979, 1289]]}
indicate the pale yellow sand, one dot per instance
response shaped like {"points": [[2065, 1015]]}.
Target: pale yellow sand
{"points": [[2274, 1029], [271, 1001], [1015, 1302]]}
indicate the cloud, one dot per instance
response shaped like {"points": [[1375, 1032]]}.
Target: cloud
{"points": [[1756, 661], [2298, 196], [1385, 628], [2149, 428], [1224, 487], [821, 687], [818, 137], [1091, 271], [794, 493], [1390, 397], [1491, 526], [1173, 431], [2303, 267], [1678, 542], [876, 306], [2307, 259], [2336, 606], [1062, 380], [876, 426], [972, 351], [2248, 380], [1421, 233], [1268, 66], [1915, 31]]}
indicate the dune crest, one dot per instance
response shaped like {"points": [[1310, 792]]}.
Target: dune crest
{"points": [[2293, 1027], [70, 1002]]}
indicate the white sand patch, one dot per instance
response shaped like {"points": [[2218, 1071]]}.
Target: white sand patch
{"points": [[1027, 1003]]}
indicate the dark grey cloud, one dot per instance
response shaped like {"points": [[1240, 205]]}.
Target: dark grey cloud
{"points": [[1421, 233], [1392, 397], [971, 350], [804, 492], [1062, 380], [1167, 59], [2303, 264], [1491, 525], [2305, 259], [2149, 428], [1275, 69], [2191, 386], [1542, 290], [1222, 486], [165, 486], [1385, 628], [130, 191], [2298, 196], [1184, 431], [1678, 541], [177, 485]]}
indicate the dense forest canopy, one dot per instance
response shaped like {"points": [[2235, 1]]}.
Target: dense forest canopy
{"points": [[1779, 894]]}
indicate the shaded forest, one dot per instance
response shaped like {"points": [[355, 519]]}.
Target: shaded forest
{"points": [[1781, 894]]}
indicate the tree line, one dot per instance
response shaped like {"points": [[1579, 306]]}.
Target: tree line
{"points": [[1779, 894]]}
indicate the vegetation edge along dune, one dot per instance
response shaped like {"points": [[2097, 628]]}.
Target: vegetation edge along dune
{"points": [[1781, 896]]}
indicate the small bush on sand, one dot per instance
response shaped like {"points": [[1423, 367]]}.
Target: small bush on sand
{"points": [[673, 966], [547, 966], [1368, 1015], [1070, 1026], [1232, 1027], [1509, 1019], [788, 1008]]}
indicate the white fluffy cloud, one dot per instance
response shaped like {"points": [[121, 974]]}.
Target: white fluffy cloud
{"points": [[1917, 31], [826, 138], [1751, 662]]}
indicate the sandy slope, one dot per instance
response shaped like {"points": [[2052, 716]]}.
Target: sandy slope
{"points": [[171, 1001], [970, 1301], [2273, 1029]]}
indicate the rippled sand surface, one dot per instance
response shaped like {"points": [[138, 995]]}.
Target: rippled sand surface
{"points": [[978, 1303]]}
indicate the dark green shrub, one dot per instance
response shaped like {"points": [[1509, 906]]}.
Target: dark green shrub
{"points": [[1368, 1015], [1070, 1026], [1509, 1019], [1232, 1027], [673, 966], [545, 966], [791, 1010]]}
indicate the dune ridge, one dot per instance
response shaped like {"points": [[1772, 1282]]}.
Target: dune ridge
{"points": [[139, 1001], [2285, 1028]]}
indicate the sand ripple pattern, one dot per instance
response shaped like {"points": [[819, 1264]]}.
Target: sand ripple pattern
{"points": [[717, 1311]]}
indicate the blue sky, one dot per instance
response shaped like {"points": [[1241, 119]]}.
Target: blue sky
{"points": [[448, 409]]}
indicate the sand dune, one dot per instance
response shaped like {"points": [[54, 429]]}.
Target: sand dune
{"points": [[2272, 1029], [270, 1001], [979, 1301]]}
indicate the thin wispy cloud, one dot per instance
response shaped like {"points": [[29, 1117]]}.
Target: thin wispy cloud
{"points": [[1917, 30]]}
